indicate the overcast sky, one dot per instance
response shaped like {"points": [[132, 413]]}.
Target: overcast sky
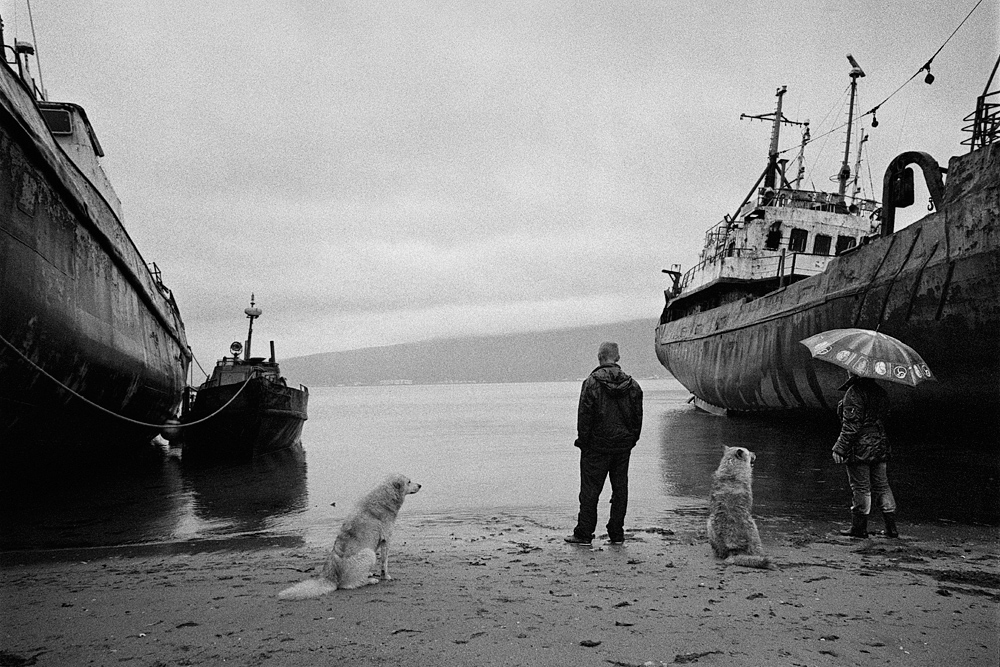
{"points": [[386, 172]]}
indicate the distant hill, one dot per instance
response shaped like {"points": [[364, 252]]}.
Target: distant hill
{"points": [[546, 356]]}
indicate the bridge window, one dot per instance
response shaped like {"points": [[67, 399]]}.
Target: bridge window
{"points": [[797, 240], [821, 246], [58, 120], [773, 239], [845, 242]]}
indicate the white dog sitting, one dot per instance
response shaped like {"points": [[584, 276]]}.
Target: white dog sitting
{"points": [[367, 529]]}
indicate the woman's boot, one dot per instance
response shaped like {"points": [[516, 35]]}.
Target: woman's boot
{"points": [[859, 526], [890, 524]]}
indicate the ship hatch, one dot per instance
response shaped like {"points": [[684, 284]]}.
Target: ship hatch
{"points": [[58, 120]]}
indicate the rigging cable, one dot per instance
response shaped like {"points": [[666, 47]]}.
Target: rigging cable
{"points": [[929, 79], [927, 65], [871, 182], [199, 366], [41, 370], [822, 149]]}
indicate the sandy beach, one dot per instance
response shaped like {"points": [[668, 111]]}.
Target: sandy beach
{"points": [[503, 590]]}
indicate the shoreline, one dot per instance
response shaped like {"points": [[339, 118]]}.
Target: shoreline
{"points": [[506, 590], [313, 537]]}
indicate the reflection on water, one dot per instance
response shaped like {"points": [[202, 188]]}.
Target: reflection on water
{"points": [[148, 497], [478, 449], [934, 476], [78, 501], [793, 472], [245, 497]]}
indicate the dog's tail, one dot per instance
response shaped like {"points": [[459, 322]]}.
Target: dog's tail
{"points": [[760, 562], [310, 588]]}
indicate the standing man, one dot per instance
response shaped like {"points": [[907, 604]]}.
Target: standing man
{"points": [[608, 424]]}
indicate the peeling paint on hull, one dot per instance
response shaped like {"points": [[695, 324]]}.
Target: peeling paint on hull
{"points": [[934, 284], [76, 297]]}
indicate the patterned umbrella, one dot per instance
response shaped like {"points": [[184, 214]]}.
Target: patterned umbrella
{"points": [[870, 354]]}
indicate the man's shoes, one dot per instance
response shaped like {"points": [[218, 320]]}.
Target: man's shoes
{"points": [[616, 540], [574, 539]]}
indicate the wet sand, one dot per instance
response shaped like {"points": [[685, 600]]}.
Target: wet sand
{"points": [[508, 591]]}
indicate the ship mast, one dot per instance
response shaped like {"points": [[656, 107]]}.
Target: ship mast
{"points": [[845, 169], [801, 159], [252, 313], [772, 154], [771, 171]]}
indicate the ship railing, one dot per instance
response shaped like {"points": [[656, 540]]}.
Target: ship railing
{"points": [[157, 275], [154, 271], [749, 264], [815, 200], [984, 122]]}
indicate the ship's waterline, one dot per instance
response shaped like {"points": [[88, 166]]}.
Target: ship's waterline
{"points": [[482, 450]]}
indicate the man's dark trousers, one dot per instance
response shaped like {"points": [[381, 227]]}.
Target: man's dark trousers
{"points": [[594, 468]]}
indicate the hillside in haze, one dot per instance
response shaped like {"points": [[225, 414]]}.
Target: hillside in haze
{"points": [[565, 354]]}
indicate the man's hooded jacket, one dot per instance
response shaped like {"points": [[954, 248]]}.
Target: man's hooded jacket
{"points": [[610, 415]]}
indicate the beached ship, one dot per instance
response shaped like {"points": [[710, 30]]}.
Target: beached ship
{"points": [[244, 409], [772, 275], [89, 334]]}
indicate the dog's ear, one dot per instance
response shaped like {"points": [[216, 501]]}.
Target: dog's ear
{"points": [[398, 484], [739, 452]]}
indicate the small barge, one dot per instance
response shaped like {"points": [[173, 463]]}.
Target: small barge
{"points": [[244, 409]]}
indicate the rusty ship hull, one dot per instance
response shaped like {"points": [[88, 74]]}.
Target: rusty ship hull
{"points": [[934, 284], [88, 331]]}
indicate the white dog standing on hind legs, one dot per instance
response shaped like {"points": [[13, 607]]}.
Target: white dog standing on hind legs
{"points": [[367, 529], [732, 531]]}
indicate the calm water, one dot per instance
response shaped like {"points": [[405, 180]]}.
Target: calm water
{"points": [[481, 450]]}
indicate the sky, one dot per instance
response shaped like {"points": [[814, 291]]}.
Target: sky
{"points": [[388, 172]]}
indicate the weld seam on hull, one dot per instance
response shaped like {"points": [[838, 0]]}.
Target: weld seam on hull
{"points": [[917, 280], [787, 373], [892, 281], [944, 291], [814, 385], [871, 281]]}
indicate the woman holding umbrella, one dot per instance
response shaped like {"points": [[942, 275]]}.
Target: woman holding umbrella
{"points": [[862, 445], [864, 448]]}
